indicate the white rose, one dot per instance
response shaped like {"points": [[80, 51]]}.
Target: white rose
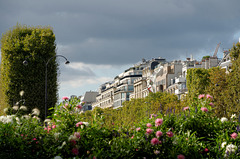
{"points": [[223, 119]]}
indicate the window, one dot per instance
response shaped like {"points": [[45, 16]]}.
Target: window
{"points": [[123, 95], [130, 88]]}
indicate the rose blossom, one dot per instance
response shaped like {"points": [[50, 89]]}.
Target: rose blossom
{"points": [[79, 123], [149, 131], [158, 134], [180, 156], [223, 119], [65, 98], [201, 96], [153, 115], [79, 106], [204, 109], [170, 134], [138, 129], [186, 108], [75, 151], [234, 135], [211, 104], [158, 122], [149, 125], [73, 142], [209, 96], [154, 141]]}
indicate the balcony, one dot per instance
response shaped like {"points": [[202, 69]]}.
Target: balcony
{"points": [[180, 91], [180, 80]]}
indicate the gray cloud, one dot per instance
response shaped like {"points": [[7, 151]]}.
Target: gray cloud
{"points": [[123, 32]]}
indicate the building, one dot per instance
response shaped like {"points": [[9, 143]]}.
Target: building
{"points": [[146, 83], [167, 74], [104, 99], [226, 61], [89, 98], [124, 84], [113, 94]]}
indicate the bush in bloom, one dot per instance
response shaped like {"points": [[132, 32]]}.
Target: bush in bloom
{"points": [[188, 134]]}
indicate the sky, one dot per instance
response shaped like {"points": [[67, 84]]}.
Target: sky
{"points": [[102, 38]]}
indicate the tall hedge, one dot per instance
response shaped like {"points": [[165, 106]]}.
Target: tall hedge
{"points": [[36, 45], [197, 81], [232, 98]]}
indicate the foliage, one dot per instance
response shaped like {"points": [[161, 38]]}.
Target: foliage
{"points": [[197, 81], [192, 133], [232, 98], [205, 57], [136, 109], [218, 87], [36, 45]]}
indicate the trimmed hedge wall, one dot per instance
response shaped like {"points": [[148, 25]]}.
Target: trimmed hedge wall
{"points": [[37, 45]]}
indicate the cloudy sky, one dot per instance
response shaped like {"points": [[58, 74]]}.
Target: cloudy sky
{"points": [[102, 38]]}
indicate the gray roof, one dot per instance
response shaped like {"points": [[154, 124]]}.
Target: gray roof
{"points": [[90, 97]]}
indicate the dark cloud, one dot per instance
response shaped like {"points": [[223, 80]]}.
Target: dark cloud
{"points": [[123, 32]]}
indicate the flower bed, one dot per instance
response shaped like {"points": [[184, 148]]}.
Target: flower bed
{"points": [[193, 133]]}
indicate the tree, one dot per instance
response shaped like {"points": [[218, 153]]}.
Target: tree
{"points": [[218, 87], [36, 45], [232, 98]]}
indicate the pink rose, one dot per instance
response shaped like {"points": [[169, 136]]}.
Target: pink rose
{"points": [[79, 106], [180, 156], [154, 141], [204, 109], [158, 134], [79, 123], [75, 151], [201, 96], [73, 142], [54, 126], [211, 104], [186, 108], [149, 131], [138, 129], [149, 125], [234, 135], [153, 115], [158, 122], [65, 98], [170, 134], [209, 96]]}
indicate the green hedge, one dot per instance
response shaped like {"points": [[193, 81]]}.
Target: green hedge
{"points": [[37, 45]]}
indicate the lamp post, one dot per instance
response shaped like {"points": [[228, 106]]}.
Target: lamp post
{"points": [[46, 64]]}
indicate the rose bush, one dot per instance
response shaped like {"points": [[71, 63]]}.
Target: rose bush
{"points": [[193, 133]]}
